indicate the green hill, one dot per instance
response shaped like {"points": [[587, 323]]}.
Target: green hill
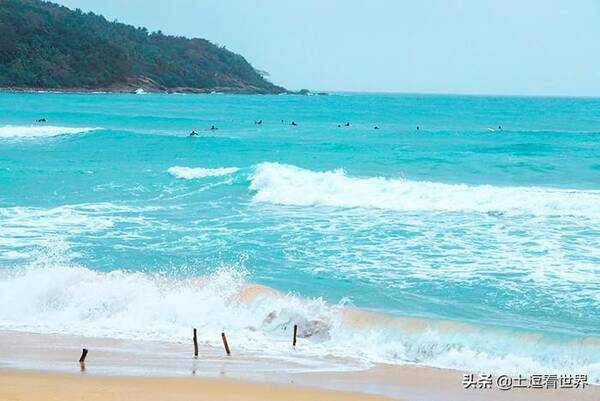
{"points": [[47, 46]]}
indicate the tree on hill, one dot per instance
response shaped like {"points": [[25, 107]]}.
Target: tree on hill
{"points": [[48, 46]]}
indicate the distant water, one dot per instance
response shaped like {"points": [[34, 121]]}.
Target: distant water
{"points": [[474, 247]]}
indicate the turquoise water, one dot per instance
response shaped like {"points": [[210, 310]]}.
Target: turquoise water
{"points": [[113, 218]]}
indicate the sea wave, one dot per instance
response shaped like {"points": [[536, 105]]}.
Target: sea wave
{"points": [[54, 295], [26, 227], [290, 185], [190, 173], [40, 131]]}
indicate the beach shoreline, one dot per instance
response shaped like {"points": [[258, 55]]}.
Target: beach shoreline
{"points": [[146, 369], [45, 386]]}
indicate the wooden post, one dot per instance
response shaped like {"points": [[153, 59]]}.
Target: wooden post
{"points": [[295, 333], [83, 355], [82, 359], [195, 344], [225, 344]]}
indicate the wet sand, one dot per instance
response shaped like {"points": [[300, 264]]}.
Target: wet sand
{"points": [[44, 367]]}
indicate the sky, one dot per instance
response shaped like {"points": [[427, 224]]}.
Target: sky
{"points": [[513, 47]]}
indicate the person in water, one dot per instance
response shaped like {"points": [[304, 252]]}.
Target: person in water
{"points": [[213, 128], [347, 124], [294, 123], [193, 133], [500, 127], [41, 120], [418, 128], [375, 127], [259, 122]]}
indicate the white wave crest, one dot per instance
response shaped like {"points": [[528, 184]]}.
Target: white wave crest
{"points": [[290, 185], [190, 173], [40, 131], [52, 295]]}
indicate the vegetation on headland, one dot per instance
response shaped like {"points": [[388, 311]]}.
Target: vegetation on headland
{"points": [[47, 46]]}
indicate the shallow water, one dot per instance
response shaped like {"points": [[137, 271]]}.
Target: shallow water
{"points": [[114, 221]]}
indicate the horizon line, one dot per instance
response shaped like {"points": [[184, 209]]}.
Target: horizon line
{"points": [[474, 94]]}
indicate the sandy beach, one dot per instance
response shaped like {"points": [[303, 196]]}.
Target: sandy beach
{"points": [[18, 385], [44, 367], [35, 386]]}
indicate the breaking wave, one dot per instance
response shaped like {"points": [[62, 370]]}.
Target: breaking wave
{"points": [[290, 185], [54, 295], [40, 131]]}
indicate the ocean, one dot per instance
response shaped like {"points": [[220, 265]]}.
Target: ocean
{"points": [[472, 242]]}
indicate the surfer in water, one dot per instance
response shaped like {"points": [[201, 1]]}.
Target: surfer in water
{"points": [[347, 124], [41, 120], [213, 128], [259, 122], [375, 127], [193, 133], [294, 123]]}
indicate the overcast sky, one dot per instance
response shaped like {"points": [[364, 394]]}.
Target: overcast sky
{"points": [[524, 47]]}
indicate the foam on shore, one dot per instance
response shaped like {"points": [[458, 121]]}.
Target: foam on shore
{"points": [[57, 296]]}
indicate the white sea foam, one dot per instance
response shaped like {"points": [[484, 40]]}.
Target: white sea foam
{"points": [[54, 295], [40, 131], [190, 173], [290, 185], [13, 255], [25, 227]]}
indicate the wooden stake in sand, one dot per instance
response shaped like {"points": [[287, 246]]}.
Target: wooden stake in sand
{"points": [[82, 359], [195, 344], [225, 344], [83, 355], [295, 333]]}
